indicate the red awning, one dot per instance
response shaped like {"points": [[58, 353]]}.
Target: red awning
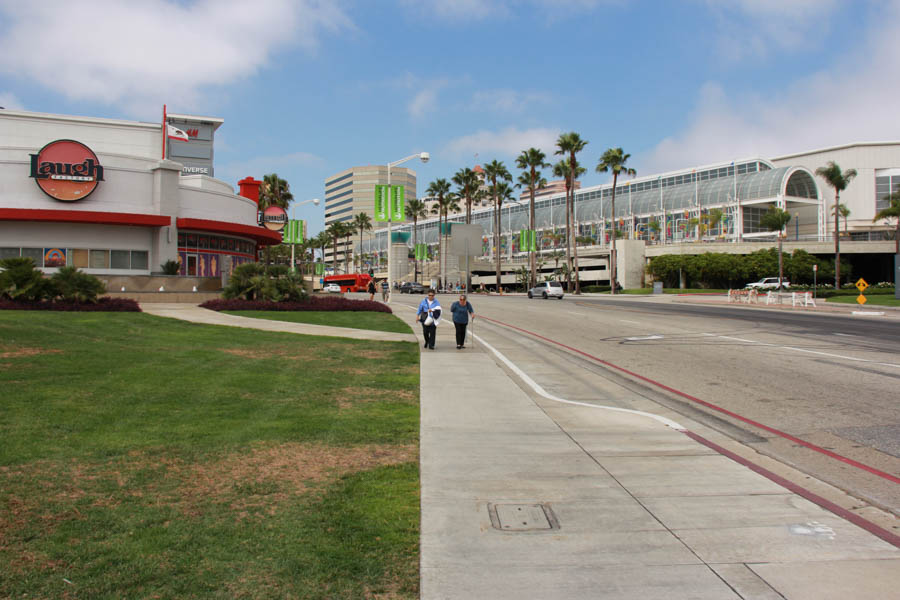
{"points": [[263, 236], [83, 216]]}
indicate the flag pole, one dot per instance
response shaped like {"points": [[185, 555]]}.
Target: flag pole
{"points": [[164, 133]]}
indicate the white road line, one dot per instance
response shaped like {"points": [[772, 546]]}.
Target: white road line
{"points": [[804, 350], [646, 337], [626, 321], [537, 388]]}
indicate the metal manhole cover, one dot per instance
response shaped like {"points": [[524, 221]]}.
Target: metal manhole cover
{"points": [[522, 517]]}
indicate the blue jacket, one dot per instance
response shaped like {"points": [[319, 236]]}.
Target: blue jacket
{"points": [[425, 307], [461, 313]]}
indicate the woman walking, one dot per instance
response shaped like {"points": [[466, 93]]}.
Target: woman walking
{"points": [[429, 314], [462, 311]]}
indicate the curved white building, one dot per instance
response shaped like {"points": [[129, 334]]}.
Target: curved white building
{"points": [[95, 194]]}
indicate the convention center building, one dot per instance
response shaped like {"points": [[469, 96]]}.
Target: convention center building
{"points": [[115, 197]]}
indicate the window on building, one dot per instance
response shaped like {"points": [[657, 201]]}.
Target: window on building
{"points": [[885, 186], [99, 259], [35, 254], [80, 258], [120, 259], [9, 253], [140, 259]]}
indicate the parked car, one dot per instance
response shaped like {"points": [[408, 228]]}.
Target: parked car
{"points": [[547, 289], [332, 288], [768, 283], [412, 287]]}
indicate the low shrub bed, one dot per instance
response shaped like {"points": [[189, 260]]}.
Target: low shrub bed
{"points": [[104, 304], [326, 303]]}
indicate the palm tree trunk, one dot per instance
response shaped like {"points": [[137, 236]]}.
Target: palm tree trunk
{"points": [[497, 241], [575, 243], [780, 264], [568, 245], [531, 253], [612, 250], [837, 242]]}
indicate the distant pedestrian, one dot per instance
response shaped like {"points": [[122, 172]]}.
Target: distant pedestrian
{"points": [[429, 314], [462, 311], [384, 290], [371, 289]]}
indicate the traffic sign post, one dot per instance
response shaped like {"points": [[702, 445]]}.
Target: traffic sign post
{"points": [[861, 285]]}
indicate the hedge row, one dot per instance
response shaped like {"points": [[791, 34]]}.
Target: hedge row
{"points": [[104, 304], [320, 303]]}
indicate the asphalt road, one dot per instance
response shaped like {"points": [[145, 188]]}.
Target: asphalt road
{"points": [[832, 381]]}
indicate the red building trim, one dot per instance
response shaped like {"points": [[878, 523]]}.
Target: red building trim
{"points": [[263, 236], [83, 216]]}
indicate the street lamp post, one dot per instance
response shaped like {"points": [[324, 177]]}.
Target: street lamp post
{"points": [[797, 226], [424, 157], [314, 201]]}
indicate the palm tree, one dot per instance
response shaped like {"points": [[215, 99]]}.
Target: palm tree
{"points": [[362, 222], [714, 217], [531, 161], [493, 171], [562, 169], [774, 220], [571, 144], [440, 189], [274, 191], [469, 189], [415, 210], [349, 230], [892, 212], [335, 233], [321, 242], [614, 160], [839, 181], [844, 211]]}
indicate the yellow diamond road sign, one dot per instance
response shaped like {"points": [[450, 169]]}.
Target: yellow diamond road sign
{"points": [[861, 285], [861, 299]]}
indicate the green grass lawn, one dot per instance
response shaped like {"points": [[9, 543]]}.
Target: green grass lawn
{"points": [[144, 457], [358, 320], [871, 300]]}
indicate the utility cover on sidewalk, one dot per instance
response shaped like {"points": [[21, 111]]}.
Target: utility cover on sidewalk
{"points": [[522, 517]]}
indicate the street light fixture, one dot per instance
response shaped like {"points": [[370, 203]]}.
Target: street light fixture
{"points": [[424, 157], [315, 201]]}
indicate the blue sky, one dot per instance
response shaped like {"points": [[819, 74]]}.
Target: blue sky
{"points": [[309, 88]]}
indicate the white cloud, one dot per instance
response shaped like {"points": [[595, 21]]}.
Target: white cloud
{"points": [[509, 142], [425, 99], [853, 100], [137, 55], [481, 10], [759, 28], [9, 101], [508, 101]]}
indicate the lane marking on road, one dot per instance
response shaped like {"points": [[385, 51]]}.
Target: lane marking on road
{"points": [[709, 405], [804, 350], [643, 338], [627, 321], [541, 391]]}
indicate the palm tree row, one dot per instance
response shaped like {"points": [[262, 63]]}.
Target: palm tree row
{"points": [[497, 181]]}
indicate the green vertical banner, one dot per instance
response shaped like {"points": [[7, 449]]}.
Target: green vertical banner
{"points": [[421, 252], [527, 240], [398, 204], [381, 213], [294, 232], [320, 268]]}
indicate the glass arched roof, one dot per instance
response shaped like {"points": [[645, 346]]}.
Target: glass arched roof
{"points": [[708, 188]]}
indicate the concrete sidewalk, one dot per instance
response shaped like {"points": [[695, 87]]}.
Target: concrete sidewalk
{"points": [[195, 314], [524, 497]]}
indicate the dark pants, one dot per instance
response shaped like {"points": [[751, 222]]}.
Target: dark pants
{"points": [[429, 331], [460, 333]]}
